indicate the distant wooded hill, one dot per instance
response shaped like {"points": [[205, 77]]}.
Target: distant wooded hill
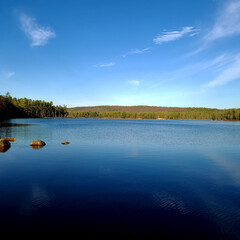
{"points": [[135, 109], [152, 112]]}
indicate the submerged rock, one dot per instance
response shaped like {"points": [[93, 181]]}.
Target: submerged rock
{"points": [[65, 142], [4, 145], [10, 139], [38, 143]]}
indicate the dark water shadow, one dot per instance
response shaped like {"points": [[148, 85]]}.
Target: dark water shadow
{"points": [[8, 124], [8, 129]]}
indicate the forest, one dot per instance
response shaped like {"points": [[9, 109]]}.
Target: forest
{"points": [[27, 108], [166, 113]]}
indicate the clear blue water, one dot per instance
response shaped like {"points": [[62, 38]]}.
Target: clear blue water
{"points": [[136, 179]]}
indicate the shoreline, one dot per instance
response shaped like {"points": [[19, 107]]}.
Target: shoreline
{"points": [[159, 119]]}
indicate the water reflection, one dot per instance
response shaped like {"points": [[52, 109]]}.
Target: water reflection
{"points": [[218, 192], [230, 166], [10, 130], [169, 202], [10, 124], [36, 199], [36, 147]]}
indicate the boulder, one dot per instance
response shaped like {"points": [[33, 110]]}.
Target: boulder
{"points": [[10, 139], [4, 145], [65, 142], [38, 143], [4, 149]]}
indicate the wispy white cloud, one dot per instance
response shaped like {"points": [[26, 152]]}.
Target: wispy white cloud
{"points": [[110, 64], [194, 33], [10, 74], [132, 52], [227, 23], [135, 83], [215, 64], [39, 35], [212, 66], [196, 51], [167, 36], [230, 73], [136, 51]]}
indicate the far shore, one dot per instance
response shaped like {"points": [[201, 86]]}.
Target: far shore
{"points": [[27, 108], [216, 120], [138, 119]]}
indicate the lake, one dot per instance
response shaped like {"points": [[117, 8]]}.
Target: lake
{"points": [[135, 179]]}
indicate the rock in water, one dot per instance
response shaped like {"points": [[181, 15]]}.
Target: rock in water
{"points": [[10, 139], [4, 145], [65, 142], [38, 143]]}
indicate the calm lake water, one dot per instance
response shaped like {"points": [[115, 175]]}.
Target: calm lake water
{"points": [[131, 178]]}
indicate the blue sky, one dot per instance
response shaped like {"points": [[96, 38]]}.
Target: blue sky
{"points": [[110, 52]]}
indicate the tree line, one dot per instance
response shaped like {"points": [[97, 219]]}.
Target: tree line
{"points": [[27, 108], [191, 114], [22, 107]]}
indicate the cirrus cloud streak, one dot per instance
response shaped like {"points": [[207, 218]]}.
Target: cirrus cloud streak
{"points": [[135, 83], [227, 23], [230, 73], [168, 36], [110, 64]]}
